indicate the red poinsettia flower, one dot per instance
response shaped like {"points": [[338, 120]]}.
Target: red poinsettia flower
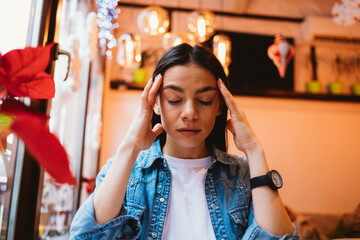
{"points": [[31, 128], [22, 73]]}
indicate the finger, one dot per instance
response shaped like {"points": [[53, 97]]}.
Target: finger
{"points": [[235, 112], [154, 89], [157, 129], [228, 98], [145, 94]]}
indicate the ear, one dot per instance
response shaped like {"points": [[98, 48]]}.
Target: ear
{"points": [[157, 106]]}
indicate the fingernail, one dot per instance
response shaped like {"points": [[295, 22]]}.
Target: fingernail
{"points": [[149, 82], [222, 83], [158, 77]]}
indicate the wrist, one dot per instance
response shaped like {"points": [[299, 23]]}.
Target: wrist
{"points": [[257, 161], [128, 147], [255, 151]]}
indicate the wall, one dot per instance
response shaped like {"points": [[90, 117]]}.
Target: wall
{"points": [[314, 144]]}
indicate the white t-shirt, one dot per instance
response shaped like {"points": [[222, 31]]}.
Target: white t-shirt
{"points": [[188, 214]]}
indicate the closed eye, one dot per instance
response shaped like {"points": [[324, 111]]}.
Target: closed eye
{"points": [[205, 102], [171, 102]]}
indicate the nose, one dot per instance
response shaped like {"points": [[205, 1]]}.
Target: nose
{"points": [[189, 111]]}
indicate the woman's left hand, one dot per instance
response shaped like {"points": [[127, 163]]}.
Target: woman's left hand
{"points": [[244, 137]]}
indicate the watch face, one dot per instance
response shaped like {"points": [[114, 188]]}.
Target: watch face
{"points": [[276, 178]]}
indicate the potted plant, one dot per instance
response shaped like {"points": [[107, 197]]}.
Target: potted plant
{"points": [[336, 87], [314, 85], [22, 75]]}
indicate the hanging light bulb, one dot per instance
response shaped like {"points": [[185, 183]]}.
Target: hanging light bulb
{"points": [[153, 21], [201, 24], [172, 39], [222, 50], [281, 52], [129, 50]]}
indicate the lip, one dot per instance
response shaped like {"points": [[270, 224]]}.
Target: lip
{"points": [[188, 131]]}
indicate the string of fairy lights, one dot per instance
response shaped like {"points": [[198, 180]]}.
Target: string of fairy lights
{"points": [[106, 13], [153, 21]]}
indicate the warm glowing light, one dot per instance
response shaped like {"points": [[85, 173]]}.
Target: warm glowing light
{"points": [[129, 50], [172, 39], [222, 53], [201, 24], [177, 41], [129, 46], [153, 21], [222, 50], [201, 28]]}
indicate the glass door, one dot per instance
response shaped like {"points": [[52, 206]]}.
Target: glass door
{"points": [[32, 204], [74, 115]]}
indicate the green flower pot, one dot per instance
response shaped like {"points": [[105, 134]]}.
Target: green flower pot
{"points": [[313, 86], [355, 89], [335, 88], [139, 75]]}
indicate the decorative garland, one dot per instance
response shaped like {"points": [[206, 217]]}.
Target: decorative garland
{"points": [[106, 13]]}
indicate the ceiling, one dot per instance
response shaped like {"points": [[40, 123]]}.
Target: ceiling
{"points": [[275, 8]]}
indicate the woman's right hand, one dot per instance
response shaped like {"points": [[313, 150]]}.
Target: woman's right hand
{"points": [[109, 197], [141, 134]]}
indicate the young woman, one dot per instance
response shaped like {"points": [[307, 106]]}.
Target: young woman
{"points": [[171, 177]]}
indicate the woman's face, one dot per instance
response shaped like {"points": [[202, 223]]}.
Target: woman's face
{"points": [[189, 103]]}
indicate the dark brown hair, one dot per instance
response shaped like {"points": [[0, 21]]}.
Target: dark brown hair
{"points": [[184, 54]]}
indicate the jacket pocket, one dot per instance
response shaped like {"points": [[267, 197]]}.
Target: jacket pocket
{"points": [[130, 227], [239, 216], [134, 210]]}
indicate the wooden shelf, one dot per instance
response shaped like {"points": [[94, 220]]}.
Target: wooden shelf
{"points": [[115, 84]]}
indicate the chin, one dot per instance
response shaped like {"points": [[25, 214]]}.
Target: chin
{"points": [[190, 143]]}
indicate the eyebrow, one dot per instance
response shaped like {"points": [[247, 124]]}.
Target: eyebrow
{"points": [[178, 89]]}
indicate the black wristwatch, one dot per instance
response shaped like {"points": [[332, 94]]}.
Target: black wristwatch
{"points": [[272, 179]]}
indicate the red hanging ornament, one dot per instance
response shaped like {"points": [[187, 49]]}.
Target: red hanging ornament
{"points": [[281, 52]]}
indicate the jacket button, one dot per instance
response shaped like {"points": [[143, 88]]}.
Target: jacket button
{"points": [[154, 234], [162, 199], [223, 239], [212, 205]]}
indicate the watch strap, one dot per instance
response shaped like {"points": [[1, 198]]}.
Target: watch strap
{"points": [[267, 180], [258, 181]]}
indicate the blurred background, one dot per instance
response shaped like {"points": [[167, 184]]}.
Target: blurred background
{"points": [[293, 67]]}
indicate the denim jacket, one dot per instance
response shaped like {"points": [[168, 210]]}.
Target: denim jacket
{"points": [[143, 213]]}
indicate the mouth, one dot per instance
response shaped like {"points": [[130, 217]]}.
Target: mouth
{"points": [[188, 131]]}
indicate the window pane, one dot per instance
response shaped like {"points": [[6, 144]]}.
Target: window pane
{"points": [[11, 17], [7, 166], [67, 115]]}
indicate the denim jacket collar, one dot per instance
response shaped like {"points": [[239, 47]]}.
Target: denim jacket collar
{"points": [[155, 152]]}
